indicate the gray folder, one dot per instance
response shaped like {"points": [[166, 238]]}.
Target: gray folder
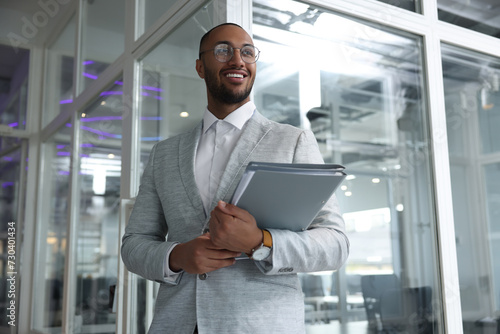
{"points": [[286, 196]]}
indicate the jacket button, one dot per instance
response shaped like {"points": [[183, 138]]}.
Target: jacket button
{"points": [[202, 276]]}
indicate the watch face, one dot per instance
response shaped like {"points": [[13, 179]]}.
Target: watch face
{"points": [[261, 253]]}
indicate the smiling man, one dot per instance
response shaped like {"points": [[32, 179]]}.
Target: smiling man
{"points": [[218, 272]]}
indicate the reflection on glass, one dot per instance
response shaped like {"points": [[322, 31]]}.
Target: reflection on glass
{"points": [[472, 99], [98, 222], [478, 15], [10, 166], [360, 89], [152, 10], [59, 73], [14, 87], [52, 226], [169, 82], [103, 37], [492, 181], [411, 5]]}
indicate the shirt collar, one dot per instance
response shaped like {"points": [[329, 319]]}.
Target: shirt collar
{"points": [[237, 118]]}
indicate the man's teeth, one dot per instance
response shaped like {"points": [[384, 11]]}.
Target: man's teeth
{"points": [[234, 75]]}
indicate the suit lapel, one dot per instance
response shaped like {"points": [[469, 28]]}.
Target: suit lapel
{"points": [[253, 132], [188, 144]]}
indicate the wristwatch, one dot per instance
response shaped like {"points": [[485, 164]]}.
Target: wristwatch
{"points": [[264, 250]]}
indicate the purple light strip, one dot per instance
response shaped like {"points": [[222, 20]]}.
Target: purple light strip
{"points": [[87, 62], [66, 101], [13, 125], [154, 89], [91, 76], [101, 118], [102, 134], [7, 184], [106, 93]]}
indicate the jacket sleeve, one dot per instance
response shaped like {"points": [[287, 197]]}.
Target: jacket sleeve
{"points": [[144, 248], [324, 245]]}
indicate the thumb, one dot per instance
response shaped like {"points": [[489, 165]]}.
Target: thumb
{"points": [[232, 210]]}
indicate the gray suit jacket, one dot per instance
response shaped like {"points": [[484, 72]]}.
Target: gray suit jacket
{"points": [[248, 297]]}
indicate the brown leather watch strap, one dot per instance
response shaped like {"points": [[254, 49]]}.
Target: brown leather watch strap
{"points": [[268, 239]]}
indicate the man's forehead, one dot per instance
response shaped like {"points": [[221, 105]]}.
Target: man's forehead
{"points": [[229, 34]]}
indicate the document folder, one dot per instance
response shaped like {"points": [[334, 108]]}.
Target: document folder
{"points": [[286, 196]]}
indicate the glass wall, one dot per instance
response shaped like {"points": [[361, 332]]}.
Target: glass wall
{"points": [[411, 5], [169, 82], [151, 10], [52, 232], [103, 37], [11, 189], [479, 15], [98, 223], [360, 89], [13, 88], [471, 83], [59, 73]]}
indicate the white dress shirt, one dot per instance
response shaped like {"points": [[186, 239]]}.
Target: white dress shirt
{"points": [[217, 141]]}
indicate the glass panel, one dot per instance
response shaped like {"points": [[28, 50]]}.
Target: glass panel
{"points": [[169, 81], [477, 15], [10, 191], [152, 10], [472, 97], [492, 181], [363, 97], [412, 5], [103, 36], [14, 86], [59, 73], [51, 234], [99, 201]]}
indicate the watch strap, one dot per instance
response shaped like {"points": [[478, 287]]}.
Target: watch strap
{"points": [[267, 239]]}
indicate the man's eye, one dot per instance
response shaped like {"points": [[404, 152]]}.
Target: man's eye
{"points": [[222, 51], [248, 52]]}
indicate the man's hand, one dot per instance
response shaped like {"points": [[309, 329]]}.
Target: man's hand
{"points": [[234, 229], [200, 255]]}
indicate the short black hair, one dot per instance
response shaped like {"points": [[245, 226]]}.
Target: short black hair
{"points": [[205, 36]]}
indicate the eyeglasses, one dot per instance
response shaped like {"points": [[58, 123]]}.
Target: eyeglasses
{"points": [[224, 52]]}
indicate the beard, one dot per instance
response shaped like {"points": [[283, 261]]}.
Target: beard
{"points": [[221, 93]]}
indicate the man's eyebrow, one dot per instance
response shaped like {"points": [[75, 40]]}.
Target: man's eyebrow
{"points": [[231, 44]]}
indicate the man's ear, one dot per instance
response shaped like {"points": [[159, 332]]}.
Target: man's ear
{"points": [[200, 68]]}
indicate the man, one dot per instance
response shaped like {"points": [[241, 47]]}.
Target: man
{"points": [[183, 197]]}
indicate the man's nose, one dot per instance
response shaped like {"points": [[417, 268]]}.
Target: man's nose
{"points": [[236, 58]]}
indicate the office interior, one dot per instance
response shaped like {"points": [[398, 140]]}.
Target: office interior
{"points": [[405, 94]]}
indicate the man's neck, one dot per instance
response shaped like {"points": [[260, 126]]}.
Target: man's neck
{"points": [[221, 110]]}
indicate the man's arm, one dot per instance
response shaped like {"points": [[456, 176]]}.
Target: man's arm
{"points": [[324, 246]]}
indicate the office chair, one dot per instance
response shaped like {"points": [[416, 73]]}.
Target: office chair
{"points": [[372, 288]]}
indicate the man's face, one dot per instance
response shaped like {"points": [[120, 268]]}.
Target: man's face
{"points": [[228, 83]]}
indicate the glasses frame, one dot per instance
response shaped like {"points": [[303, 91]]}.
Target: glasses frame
{"points": [[231, 49]]}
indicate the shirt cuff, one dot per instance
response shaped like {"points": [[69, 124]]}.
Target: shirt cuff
{"points": [[170, 276]]}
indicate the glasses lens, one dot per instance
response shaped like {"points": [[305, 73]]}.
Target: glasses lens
{"points": [[223, 52], [249, 54]]}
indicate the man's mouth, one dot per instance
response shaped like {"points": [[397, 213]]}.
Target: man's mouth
{"points": [[234, 75]]}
